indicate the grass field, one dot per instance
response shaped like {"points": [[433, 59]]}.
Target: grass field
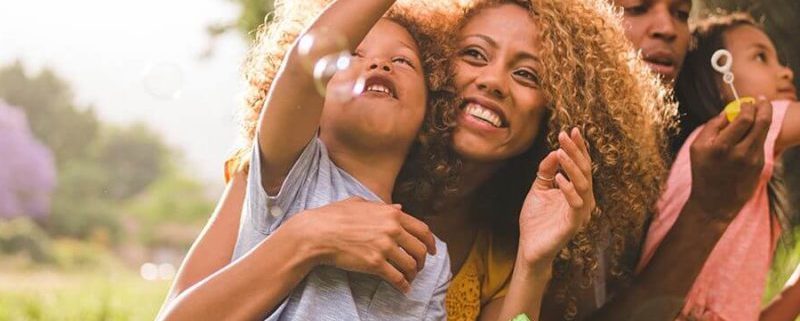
{"points": [[79, 296]]}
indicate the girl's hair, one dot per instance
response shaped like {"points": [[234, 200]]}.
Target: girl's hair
{"points": [[290, 18], [593, 81], [700, 98]]}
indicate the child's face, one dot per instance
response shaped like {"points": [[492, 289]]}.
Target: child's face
{"points": [[756, 66], [390, 109]]}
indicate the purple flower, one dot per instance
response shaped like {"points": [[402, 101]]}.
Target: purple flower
{"points": [[27, 168]]}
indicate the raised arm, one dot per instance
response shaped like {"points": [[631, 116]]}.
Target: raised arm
{"points": [[727, 160], [292, 108], [550, 217]]}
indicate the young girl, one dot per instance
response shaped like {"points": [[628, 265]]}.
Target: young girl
{"points": [[311, 151], [732, 281]]}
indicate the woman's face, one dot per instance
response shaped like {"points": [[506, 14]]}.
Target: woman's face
{"points": [[497, 75]]}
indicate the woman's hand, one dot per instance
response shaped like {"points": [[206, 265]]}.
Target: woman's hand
{"points": [[368, 237], [559, 204]]}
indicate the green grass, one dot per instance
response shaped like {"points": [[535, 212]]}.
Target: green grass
{"points": [[80, 296]]}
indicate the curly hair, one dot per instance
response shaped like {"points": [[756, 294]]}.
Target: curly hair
{"points": [[290, 19], [594, 81]]}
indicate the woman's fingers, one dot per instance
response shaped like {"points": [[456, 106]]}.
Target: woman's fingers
{"points": [[419, 230], [414, 247], [576, 151], [577, 137], [403, 262], [570, 194], [546, 174], [576, 175], [393, 276]]}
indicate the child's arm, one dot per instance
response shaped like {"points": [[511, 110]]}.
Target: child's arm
{"points": [[786, 306], [790, 130], [292, 108]]}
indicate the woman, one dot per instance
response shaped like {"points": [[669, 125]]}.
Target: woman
{"points": [[534, 65], [560, 66]]}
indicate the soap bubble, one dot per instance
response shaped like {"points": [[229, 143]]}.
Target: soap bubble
{"points": [[163, 80]]}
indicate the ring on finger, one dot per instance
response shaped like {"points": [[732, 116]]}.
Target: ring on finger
{"points": [[546, 179]]}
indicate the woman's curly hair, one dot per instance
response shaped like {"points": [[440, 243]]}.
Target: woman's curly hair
{"points": [[290, 19], [594, 81]]}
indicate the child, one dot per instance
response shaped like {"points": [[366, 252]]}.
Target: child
{"points": [[292, 169], [732, 281], [310, 151]]}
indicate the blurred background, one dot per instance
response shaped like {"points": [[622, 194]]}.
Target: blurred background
{"points": [[115, 120]]}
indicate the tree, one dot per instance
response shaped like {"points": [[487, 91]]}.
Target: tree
{"points": [[132, 158], [27, 170], [252, 14], [68, 130]]}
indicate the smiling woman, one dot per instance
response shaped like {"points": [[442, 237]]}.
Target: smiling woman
{"points": [[523, 72]]}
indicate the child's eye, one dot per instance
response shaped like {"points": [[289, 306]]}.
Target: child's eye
{"points": [[761, 56], [357, 53], [403, 60]]}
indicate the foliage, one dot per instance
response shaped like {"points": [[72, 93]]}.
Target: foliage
{"points": [[27, 171]]}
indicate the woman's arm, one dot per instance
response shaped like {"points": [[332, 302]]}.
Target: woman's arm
{"points": [[550, 217], [213, 248], [790, 129], [209, 286], [353, 234]]}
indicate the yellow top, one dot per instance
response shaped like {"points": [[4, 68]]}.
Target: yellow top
{"points": [[484, 277]]}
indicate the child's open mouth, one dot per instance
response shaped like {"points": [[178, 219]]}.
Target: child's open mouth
{"points": [[379, 86]]}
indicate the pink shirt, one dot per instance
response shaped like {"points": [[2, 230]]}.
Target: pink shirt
{"points": [[732, 281]]}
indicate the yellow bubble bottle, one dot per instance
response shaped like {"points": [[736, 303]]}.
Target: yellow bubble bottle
{"points": [[735, 107]]}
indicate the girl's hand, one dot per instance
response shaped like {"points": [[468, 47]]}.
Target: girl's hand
{"points": [[558, 205], [367, 237]]}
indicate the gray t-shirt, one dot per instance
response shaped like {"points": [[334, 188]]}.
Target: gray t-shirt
{"points": [[329, 293]]}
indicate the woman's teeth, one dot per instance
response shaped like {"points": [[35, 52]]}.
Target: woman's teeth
{"points": [[380, 89], [484, 114]]}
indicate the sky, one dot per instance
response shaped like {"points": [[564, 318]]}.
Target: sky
{"points": [[139, 61]]}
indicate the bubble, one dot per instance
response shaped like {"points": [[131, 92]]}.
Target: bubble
{"points": [[163, 80], [166, 271], [323, 54], [320, 43], [346, 87], [149, 271]]}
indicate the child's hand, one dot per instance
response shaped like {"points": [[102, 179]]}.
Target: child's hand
{"points": [[558, 205]]}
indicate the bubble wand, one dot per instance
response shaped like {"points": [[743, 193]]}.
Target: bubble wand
{"points": [[733, 108]]}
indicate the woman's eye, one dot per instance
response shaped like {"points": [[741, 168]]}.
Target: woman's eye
{"points": [[528, 76], [473, 54]]}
